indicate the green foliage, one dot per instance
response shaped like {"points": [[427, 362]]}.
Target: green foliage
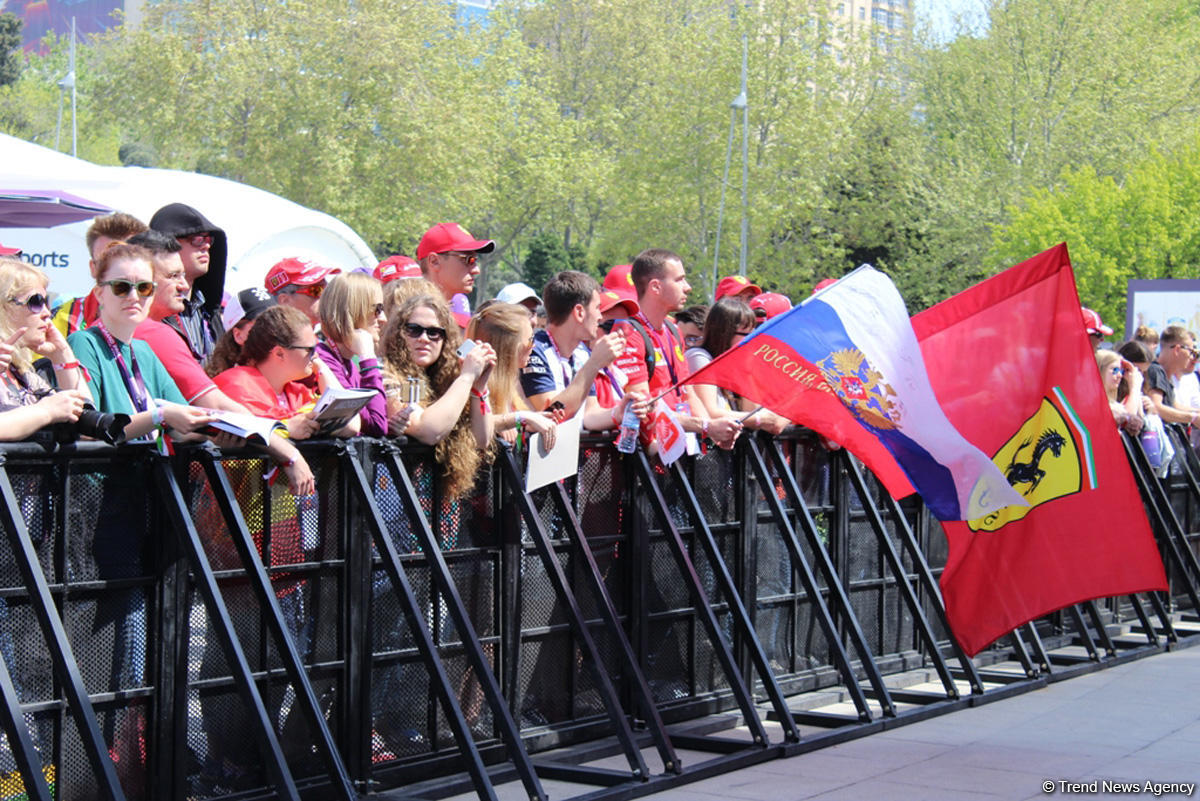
{"points": [[1147, 226], [11, 57], [578, 132]]}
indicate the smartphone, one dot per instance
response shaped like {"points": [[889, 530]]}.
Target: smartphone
{"points": [[466, 347]]}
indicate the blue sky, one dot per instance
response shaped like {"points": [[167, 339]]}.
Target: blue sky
{"points": [[940, 14]]}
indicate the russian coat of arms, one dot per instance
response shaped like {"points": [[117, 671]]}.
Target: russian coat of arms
{"points": [[862, 388]]}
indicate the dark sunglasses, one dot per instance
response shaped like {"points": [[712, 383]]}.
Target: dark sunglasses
{"points": [[469, 258], [121, 288], [35, 303], [313, 291], [197, 240], [414, 331], [309, 350]]}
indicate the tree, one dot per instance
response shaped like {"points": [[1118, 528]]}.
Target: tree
{"points": [[10, 48], [1147, 226]]}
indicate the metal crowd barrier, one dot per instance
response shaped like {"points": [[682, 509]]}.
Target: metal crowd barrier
{"points": [[178, 627]]}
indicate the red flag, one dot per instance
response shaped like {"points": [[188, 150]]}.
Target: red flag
{"points": [[1014, 372], [790, 385]]}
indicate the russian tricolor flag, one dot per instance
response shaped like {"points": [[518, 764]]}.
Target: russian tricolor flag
{"points": [[847, 364]]}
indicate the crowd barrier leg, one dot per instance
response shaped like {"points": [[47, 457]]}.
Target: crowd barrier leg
{"points": [[65, 666], [441, 577], [841, 602], [888, 549], [1170, 532], [741, 617], [1031, 670], [172, 497], [608, 612], [19, 741], [591, 655], [1085, 635], [260, 582], [687, 570]]}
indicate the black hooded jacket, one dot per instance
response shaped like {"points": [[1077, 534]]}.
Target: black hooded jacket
{"points": [[178, 220]]}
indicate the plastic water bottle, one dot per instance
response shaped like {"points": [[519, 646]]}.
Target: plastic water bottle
{"points": [[628, 438]]}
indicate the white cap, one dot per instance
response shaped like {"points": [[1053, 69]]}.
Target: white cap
{"points": [[517, 293], [247, 303]]}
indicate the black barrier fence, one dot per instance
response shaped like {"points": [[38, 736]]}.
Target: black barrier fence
{"points": [[180, 627]]}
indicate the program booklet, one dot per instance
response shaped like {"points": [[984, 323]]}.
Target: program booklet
{"points": [[337, 406], [255, 430]]}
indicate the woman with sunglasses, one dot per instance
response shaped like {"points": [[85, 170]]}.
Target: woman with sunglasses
{"points": [[352, 320], [279, 352], [123, 374], [419, 350], [1123, 387], [27, 401]]}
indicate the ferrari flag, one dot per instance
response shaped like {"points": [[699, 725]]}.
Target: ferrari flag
{"points": [[1014, 372], [846, 363]]}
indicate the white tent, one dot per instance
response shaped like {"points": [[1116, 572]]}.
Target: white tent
{"points": [[262, 228]]}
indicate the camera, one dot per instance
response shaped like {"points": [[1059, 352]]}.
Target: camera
{"points": [[103, 426]]}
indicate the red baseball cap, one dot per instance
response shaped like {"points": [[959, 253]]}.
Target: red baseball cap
{"points": [[298, 272], [608, 299], [735, 284], [4, 251], [769, 304], [444, 237], [620, 280], [393, 268], [1092, 322]]}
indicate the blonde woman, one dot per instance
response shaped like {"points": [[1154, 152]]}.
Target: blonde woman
{"points": [[506, 327], [27, 402], [352, 320], [1123, 386]]}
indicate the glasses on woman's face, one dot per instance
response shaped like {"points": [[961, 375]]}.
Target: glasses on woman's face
{"points": [[121, 288], [36, 303], [414, 331], [692, 340], [1118, 371], [309, 350]]}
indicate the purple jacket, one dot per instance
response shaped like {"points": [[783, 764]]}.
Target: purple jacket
{"points": [[366, 374]]}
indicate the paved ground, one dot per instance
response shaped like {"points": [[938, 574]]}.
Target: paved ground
{"points": [[1131, 724]]}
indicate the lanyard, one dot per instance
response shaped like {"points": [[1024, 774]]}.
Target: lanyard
{"points": [[556, 363], [130, 374], [668, 353]]}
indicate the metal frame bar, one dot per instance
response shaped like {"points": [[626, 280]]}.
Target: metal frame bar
{"points": [[1170, 530], [837, 591], [642, 695], [741, 618], [171, 496], [440, 573], [924, 578], [59, 646], [591, 655], [700, 602], [260, 582], [19, 742]]}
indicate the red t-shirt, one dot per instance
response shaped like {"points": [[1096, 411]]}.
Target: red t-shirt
{"points": [[670, 367], [172, 350], [247, 386]]}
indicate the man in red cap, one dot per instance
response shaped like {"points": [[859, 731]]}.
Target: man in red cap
{"points": [[737, 286], [1096, 329], [449, 257], [396, 268], [299, 283]]}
